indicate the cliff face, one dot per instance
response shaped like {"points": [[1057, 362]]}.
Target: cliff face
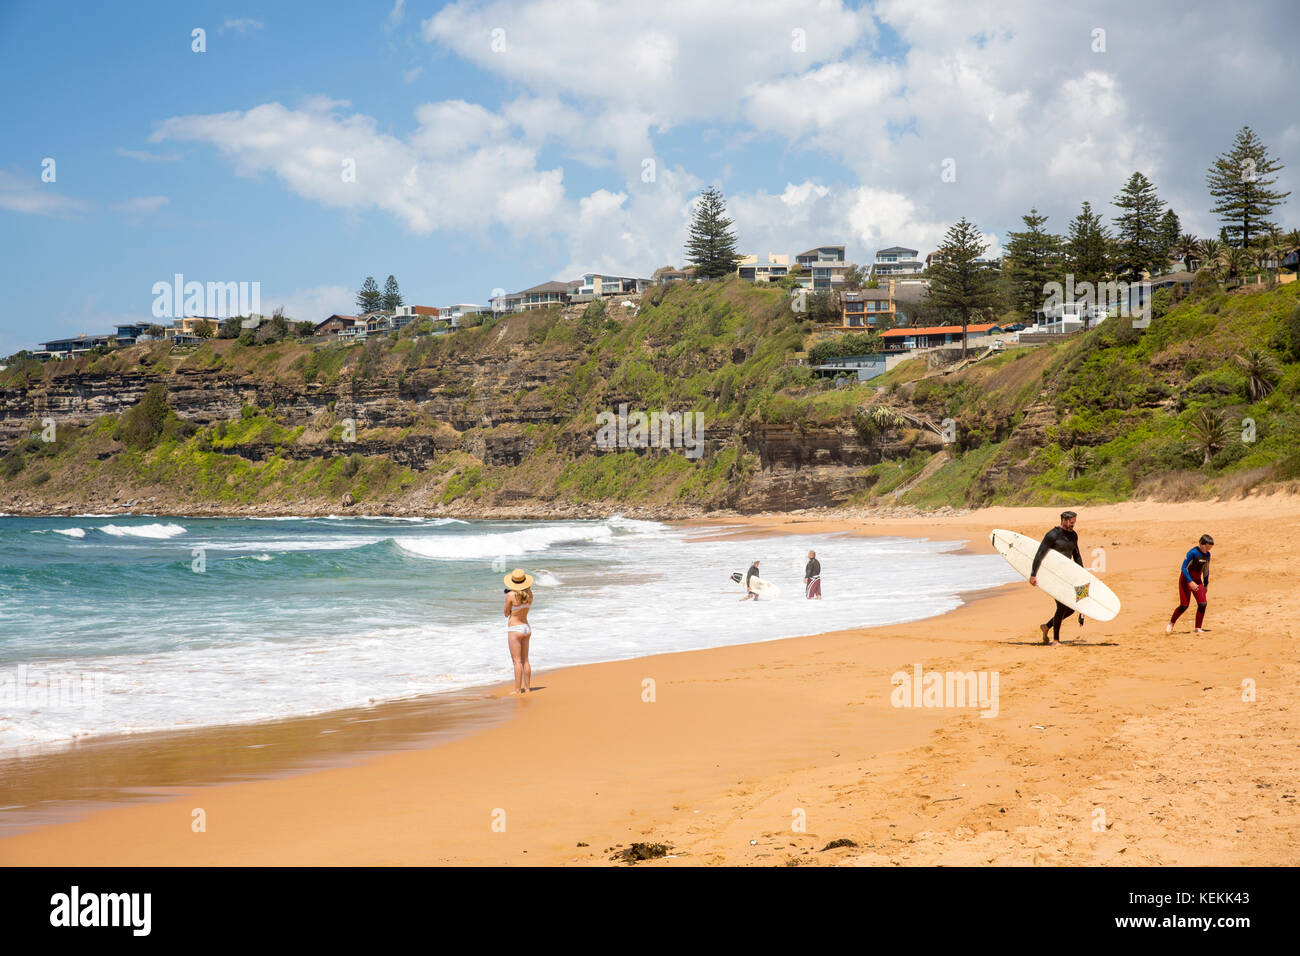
{"points": [[507, 410], [492, 412], [504, 418]]}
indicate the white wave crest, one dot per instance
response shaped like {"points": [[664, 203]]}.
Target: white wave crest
{"points": [[504, 544], [142, 530]]}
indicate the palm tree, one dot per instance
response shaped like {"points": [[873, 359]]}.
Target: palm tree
{"points": [[1077, 460], [885, 418], [1211, 254], [1277, 250], [1236, 261], [1259, 256], [1210, 431], [1261, 372], [1188, 249]]}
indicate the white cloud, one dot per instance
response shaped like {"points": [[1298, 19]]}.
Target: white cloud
{"points": [[459, 170], [396, 15], [1010, 96], [314, 304], [140, 205], [635, 230], [809, 214], [411, 75], [675, 59], [36, 198], [141, 156], [324, 104], [852, 101], [241, 25]]}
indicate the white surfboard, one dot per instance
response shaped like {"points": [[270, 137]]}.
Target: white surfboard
{"points": [[1058, 576], [757, 585]]}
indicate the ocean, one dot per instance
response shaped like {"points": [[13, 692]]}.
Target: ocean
{"points": [[114, 624]]}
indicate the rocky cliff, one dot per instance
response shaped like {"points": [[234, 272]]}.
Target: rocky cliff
{"points": [[504, 418]]}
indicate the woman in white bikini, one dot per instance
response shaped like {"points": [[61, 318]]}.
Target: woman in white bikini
{"points": [[519, 598]]}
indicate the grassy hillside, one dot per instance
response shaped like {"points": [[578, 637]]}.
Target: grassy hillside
{"points": [[1105, 416], [1129, 400]]}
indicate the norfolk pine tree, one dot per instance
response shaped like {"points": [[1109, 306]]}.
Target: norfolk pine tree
{"points": [[1139, 240], [392, 297], [1239, 180], [958, 283], [1088, 247], [1032, 259], [369, 299], [711, 245]]}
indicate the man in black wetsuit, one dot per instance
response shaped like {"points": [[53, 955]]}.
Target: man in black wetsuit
{"points": [[1064, 540]]}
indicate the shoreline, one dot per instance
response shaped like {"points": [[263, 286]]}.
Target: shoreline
{"points": [[43, 774], [739, 737]]}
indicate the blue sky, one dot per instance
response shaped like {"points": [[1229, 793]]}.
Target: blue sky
{"points": [[498, 145]]}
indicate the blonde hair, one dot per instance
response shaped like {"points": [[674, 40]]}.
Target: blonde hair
{"points": [[525, 596]]}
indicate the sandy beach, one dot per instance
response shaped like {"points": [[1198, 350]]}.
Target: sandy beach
{"points": [[1125, 747]]}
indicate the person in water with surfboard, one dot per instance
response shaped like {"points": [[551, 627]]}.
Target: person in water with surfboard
{"points": [[751, 573], [812, 577], [1194, 581], [519, 598], [1063, 539]]}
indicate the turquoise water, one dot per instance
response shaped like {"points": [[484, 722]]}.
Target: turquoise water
{"points": [[116, 624]]}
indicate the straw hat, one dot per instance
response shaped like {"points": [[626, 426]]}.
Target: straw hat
{"points": [[519, 580]]}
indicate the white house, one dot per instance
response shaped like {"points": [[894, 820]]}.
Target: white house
{"points": [[896, 261]]}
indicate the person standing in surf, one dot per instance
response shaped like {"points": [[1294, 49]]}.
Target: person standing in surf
{"points": [[1194, 580], [751, 573], [1063, 539], [812, 577], [519, 598]]}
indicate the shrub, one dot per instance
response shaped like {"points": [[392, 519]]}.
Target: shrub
{"points": [[142, 426], [352, 464], [1204, 285], [1160, 304], [850, 344], [1222, 381], [594, 314], [1291, 334], [1229, 454], [246, 337]]}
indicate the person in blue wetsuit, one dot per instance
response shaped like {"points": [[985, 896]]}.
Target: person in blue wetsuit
{"points": [[1194, 581]]}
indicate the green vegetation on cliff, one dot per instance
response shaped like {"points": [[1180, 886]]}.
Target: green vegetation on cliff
{"points": [[1128, 401], [1201, 402]]}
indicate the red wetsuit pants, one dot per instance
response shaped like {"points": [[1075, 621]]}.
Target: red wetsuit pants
{"points": [[1186, 591]]}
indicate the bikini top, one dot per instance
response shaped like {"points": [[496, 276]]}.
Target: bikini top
{"points": [[521, 607]]}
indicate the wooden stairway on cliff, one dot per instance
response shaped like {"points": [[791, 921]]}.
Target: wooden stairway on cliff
{"points": [[967, 362], [937, 461]]}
